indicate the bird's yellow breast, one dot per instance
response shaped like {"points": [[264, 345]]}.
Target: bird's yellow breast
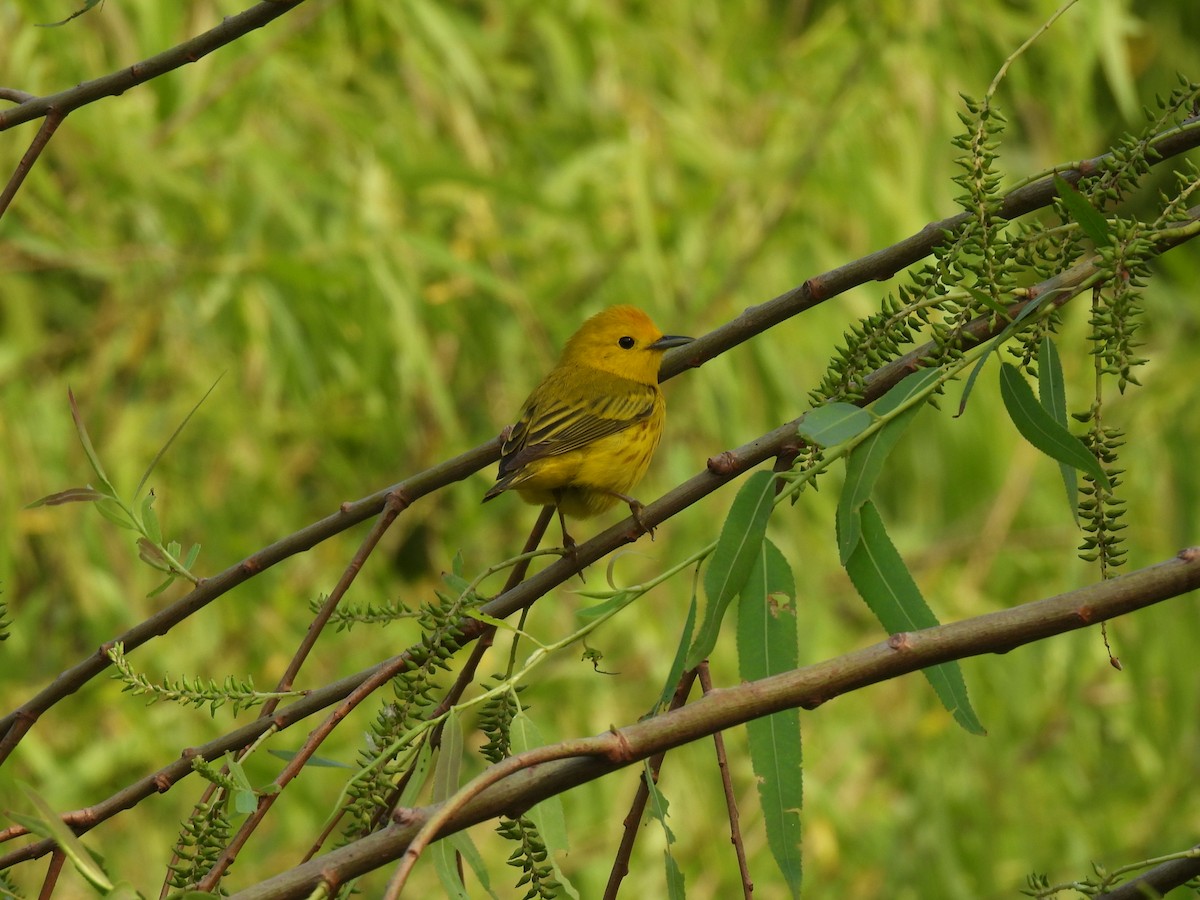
{"points": [[587, 479]]}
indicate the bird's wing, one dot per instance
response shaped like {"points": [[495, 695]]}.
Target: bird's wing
{"points": [[555, 420]]}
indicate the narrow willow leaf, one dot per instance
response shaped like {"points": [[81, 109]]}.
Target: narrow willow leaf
{"points": [[834, 423], [615, 602], [1088, 218], [548, 815], [88, 450], [768, 643], [166, 583], [465, 847], [986, 299], [70, 495], [150, 519], [881, 578], [445, 863], [165, 447], [489, 620], [47, 823], [445, 785], [1039, 428], [685, 641], [152, 555], [997, 342], [88, 4], [193, 552], [731, 560], [1052, 392], [115, 513], [865, 462], [445, 773], [316, 762], [420, 774], [657, 808]]}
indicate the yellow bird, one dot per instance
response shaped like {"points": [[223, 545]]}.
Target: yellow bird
{"points": [[587, 432]]}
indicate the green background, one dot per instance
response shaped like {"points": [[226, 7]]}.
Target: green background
{"points": [[378, 222]]}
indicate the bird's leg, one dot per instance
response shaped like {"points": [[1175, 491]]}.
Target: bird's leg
{"points": [[568, 541], [635, 510]]}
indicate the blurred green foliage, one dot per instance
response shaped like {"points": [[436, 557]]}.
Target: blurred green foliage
{"points": [[381, 220]]}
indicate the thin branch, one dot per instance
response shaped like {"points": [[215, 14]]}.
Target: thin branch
{"points": [[735, 828], [56, 107], [875, 266], [16, 96], [1158, 881], [721, 469], [190, 51], [807, 688], [50, 124], [633, 818]]}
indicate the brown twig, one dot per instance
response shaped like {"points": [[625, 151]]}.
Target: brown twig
{"points": [[1158, 881], [721, 469], [753, 321], [806, 688], [735, 828], [637, 809], [59, 105], [54, 118]]}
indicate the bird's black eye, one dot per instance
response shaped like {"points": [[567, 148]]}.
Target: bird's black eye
{"points": [[626, 343]]}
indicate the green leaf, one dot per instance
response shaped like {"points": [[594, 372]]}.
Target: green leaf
{"points": [[115, 513], [731, 560], [1039, 428], [150, 519], [88, 450], [677, 664], [865, 462], [165, 447], [48, 824], [444, 863], [881, 578], [153, 555], [88, 4], [162, 586], [465, 847], [71, 495], [445, 773], [768, 643], [834, 423], [1094, 224], [445, 784], [657, 807], [315, 762], [547, 815], [1052, 393], [616, 601], [193, 552], [420, 773]]}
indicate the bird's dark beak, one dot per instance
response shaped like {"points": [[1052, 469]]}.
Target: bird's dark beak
{"points": [[668, 341]]}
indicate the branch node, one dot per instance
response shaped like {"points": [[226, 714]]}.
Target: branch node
{"points": [[902, 640], [724, 463]]}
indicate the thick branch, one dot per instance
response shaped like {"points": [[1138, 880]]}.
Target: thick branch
{"points": [[808, 687]]}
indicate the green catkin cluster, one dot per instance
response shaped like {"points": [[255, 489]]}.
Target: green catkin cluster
{"points": [[202, 839], [414, 695]]}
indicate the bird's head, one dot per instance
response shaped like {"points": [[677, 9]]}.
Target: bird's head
{"points": [[621, 340]]}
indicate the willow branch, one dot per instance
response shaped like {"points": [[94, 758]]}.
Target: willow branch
{"points": [[720, 470], [55, 107], [806, 688]]}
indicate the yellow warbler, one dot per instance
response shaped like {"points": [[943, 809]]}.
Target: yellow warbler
{"points": [[587, 432]]}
